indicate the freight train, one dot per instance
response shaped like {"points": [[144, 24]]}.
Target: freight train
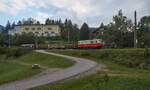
{"points": [[82, 44]]}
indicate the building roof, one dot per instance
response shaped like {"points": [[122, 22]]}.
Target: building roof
{"points": [[36, 24]]}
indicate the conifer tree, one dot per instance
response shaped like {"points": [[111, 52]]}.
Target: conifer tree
{"points": [[84, 32]]}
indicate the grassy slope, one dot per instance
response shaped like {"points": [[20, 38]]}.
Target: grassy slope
{"points": [[10, 71], [114, 59], [14, 69], [129, 78], [46, 60], [98, 82]]}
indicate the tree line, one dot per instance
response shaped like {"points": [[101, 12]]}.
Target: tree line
{"points": [[118, 34]]}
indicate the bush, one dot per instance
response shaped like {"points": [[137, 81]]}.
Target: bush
{"points": [[146, 52], [3, 50], [11, 52], [22, 51], [126, 57], [14, 52], [138, 58]]}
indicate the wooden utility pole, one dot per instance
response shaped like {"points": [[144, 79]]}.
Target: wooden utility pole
{"points": [[8, 38], [68, 35], [135, 30]]}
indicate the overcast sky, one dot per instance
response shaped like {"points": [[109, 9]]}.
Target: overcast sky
{"points": [[92, 12]]}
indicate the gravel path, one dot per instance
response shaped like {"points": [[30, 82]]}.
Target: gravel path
{"points": [[81, 66]]}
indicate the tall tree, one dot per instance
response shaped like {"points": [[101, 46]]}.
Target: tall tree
{"points": [[144, 31], [4, 39], [75, 33], [66, 23], [13, 25], [69, 31], [120, 32], [84, 32], [100, 31], [124, 28], [64, 31], [102, 25], [8, 27], [38, 22], [19, 23], [47, 21]]}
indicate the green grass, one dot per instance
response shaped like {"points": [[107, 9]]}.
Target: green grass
{"points": [[10, 71], [129, 60], [46, 60], [122, 68], [19, 68], [128, 78], [102, 82]]}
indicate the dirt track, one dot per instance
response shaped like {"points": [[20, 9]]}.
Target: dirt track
{"points": [[81, 66]]}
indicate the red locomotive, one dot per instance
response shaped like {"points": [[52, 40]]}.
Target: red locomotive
{"points": [[96, 43]]}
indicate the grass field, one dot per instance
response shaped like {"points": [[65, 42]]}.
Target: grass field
{"points": [[10, 71], [102, 82], [130, 58], [131, 76], [46, 60], [19, 68]]}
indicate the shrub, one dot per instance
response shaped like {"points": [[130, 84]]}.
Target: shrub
{"points": [[126, 57], [3, 50], [16, 52], [138, 58], [11, 52], [22, 51], [146, 52]]}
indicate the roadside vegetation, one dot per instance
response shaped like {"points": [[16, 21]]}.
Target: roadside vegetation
{"points": [[16, 63], [130, 58], [101, 82], [128, 69]]}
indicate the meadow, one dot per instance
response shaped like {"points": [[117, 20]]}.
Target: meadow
{"points": [[15, 68], [131, 58], [130, 70], [101, 82]]}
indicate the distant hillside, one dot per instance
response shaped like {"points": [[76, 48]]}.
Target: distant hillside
{"points": [[1, 28]]}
